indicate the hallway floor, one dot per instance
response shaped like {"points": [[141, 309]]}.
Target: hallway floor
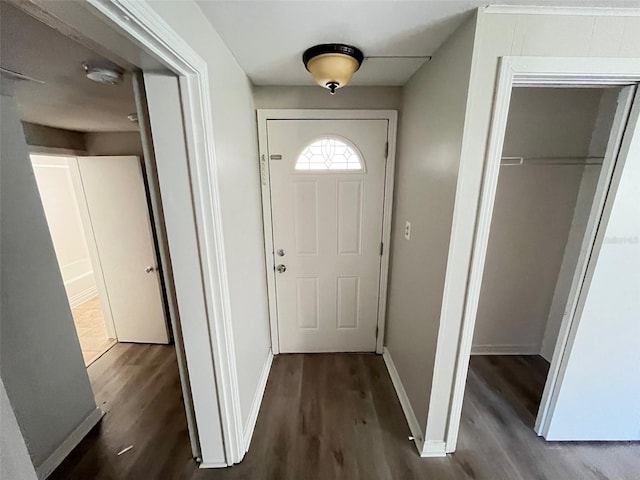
{"points": [[89, 321], [331, 416]]}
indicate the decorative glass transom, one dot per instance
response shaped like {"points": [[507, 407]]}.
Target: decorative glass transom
{"points": [[329, 154]]}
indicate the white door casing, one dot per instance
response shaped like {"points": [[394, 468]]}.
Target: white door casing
{"points": [[328, 223], [117, 203], [524, 71]]}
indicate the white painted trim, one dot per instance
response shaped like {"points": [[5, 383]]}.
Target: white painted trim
{"points": [[524, 349], [257, 401], [263, 141], [387, 217], [84, 296], [412, 421], [205, 465], [267, 226], [569, 11], [141, 23], [151, 168], [137, 22], [516, 71], [433, 449], [59, 454]]}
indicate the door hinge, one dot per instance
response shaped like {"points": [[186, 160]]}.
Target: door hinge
{"points": [[386, 150], [381, 248], [263, 170], [377, 330]]}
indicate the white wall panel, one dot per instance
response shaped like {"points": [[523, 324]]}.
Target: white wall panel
{"points": [[348, 302], [349, 217]]}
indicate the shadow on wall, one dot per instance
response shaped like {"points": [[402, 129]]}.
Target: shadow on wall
{"points": [[89, 143]]}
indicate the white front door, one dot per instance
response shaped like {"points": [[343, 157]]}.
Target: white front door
{"points": [[327, 195], [117, 204]]}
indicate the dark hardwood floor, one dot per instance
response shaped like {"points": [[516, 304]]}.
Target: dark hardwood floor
{"points": [[332, 416]]}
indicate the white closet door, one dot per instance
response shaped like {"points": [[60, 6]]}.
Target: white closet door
{"points": [[599, 393], [117, 203]]}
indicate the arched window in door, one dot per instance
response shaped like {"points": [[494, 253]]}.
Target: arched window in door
{"points": [[329, 153]]}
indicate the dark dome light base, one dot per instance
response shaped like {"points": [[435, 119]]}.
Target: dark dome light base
{"points": [[338, 48], [332, 64]]}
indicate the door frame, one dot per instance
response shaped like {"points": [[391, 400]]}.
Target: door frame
{"points": [[117, 26], [264, 115], [87, 229], [92, 245], [545, 72]]}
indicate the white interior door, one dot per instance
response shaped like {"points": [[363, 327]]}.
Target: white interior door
{"points": [[327, 194], [117, 203]]}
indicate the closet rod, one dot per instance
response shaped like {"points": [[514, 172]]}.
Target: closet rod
{"points": [[552, 160]]}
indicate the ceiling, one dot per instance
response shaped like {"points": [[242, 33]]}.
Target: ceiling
{"points": [[268, 37], [67, 99]]}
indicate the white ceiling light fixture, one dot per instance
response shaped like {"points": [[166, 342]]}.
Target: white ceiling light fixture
{"points": [[104, 75], [332, 64]]}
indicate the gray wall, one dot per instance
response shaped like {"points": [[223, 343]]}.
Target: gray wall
{"points": [[236, 144], [532, 216], [89, 143], [40, 359], [431, 123], [113, 143], [41, 136], [15, 463], [316, 97]]}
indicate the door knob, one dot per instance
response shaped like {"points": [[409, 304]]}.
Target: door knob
{"points": [[149, 269], [281, 268]]}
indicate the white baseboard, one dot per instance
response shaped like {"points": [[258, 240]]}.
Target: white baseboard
{"points": [[59, 454], [83, 296], [212, 465], [414, 425], [432, 449], [505, 349], [257, 401]]}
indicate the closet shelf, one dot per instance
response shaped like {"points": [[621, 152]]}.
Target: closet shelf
{"points": [[551, 161]]}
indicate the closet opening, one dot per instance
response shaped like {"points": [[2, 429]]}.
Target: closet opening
{"points": [[556, 142]]}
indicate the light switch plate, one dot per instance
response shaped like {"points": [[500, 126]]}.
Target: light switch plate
{"points": [[407, 230]]}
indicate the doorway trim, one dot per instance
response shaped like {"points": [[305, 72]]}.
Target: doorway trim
{"points": [[264, 115], [534, 71], [141, 23], [209, 341]]}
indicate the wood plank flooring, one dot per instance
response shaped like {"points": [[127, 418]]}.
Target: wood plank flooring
{"points": [[332, 416]]}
